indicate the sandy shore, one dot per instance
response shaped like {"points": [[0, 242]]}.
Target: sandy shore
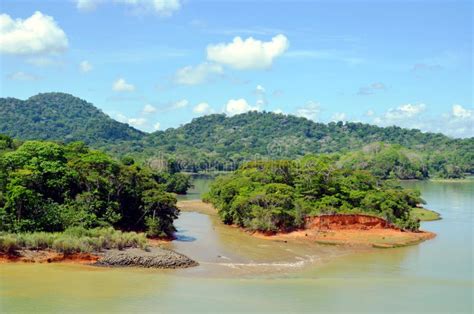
{"points": [[365, 231]]}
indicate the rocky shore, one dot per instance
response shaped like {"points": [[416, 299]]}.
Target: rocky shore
{"points": [[155, 257]]}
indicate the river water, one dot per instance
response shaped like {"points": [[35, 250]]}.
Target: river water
{"points": [[239, 273]]}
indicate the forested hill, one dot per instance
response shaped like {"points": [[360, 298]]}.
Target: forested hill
{"points": [[269, 133], [262, 134], [59, 116], [224, 142]]}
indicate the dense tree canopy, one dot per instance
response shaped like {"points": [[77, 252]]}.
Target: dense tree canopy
{"points": [[223, 143], [387, 162], [278, 195], [59, 116], [46, 186]]}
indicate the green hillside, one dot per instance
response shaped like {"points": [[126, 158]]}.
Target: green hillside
{"points": [[59, 116], [223, 143]]}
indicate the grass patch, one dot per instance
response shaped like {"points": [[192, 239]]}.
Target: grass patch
{"points": [[73, 240], [424, 214]]}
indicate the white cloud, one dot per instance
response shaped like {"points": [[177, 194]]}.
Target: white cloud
{"points": [[278, 111], [310, 111], [458, 122], [136, 122], [148, 109], [85, 66], [249, 53], [202, 108], [238, 106], [22, 76], [261, 96], [38, 34], [161, 7], [339, 116], [201, 73], [120, 85], [259, 89], [179, 104], [404, 111], [460, 112], [369, 113], [156, 126], [120, 117]]}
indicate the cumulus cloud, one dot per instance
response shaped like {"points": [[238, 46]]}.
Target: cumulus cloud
{"points": [[160, 7], [120, 85], [458, 122], [460, 112], [201, 73], [148, 109], [156, 126], [404, 111], [371, 89], [238, 106], [249, 53], [38, 34], [136, 122], [310, 111], [202, 108], [85, 66], [183, 103], [22, 76]]}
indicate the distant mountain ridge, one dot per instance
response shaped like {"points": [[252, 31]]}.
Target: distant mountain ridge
{"points": [[218, 139], [63, 117]]}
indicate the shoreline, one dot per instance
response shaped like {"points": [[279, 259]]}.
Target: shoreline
{"points": [[371, 231], [152, 257]]}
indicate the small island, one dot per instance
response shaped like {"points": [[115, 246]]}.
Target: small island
{"points": [[313, 198]]}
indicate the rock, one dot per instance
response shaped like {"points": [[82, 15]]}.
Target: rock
{"points": [[153, 258]]}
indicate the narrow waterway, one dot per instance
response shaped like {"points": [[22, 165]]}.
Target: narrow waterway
{"points": [[239, 273]]}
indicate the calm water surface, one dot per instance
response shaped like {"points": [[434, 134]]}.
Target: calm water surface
{"points": [[239, 273]]}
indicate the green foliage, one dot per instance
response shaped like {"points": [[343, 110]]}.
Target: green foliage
{"points": [[223, 143], [274, 196], [59, 116], [72, 240], [46, 186], [387, 162], [218, 142]]}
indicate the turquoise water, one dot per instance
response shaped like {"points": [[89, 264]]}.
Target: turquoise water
{"points": [[239, 273]]}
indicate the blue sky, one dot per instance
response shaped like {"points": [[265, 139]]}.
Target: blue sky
{"points": [[159, 64]]}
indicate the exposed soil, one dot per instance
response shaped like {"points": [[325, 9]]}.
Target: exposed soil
{"points": [[353, 230], [338, 229], [347, 222], [48, 256]]}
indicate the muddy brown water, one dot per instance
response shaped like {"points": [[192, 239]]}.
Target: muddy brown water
{"points": [[239, 273]]}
